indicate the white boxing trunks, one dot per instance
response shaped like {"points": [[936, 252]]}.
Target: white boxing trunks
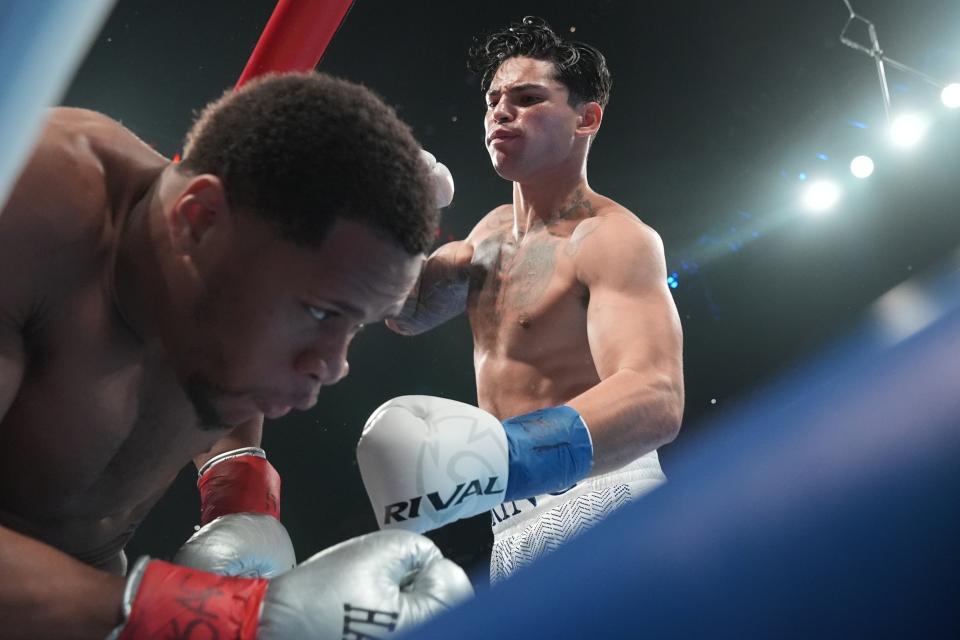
{"points": [[524, 530]]}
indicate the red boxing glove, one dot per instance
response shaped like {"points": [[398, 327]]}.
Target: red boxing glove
{"points": [[163, 600], [367, 587], [238, 481]]}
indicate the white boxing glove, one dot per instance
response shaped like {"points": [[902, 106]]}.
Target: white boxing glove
{"points": [[427, 461], [367, 587], [252, 545], [442, 179]]}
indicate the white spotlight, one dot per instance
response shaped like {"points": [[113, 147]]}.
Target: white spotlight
{"points": [[907, 130], [951, 95], [820, 196], [862, 166]]}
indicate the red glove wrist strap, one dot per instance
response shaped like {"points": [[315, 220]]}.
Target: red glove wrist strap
{"points": [[178, 602], [243, 484]]}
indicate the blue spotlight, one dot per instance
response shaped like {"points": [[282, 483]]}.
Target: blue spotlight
{"points": [[673, 280]]}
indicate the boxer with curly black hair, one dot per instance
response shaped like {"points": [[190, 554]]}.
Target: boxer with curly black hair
{"points": [[578, 66], [153, 313], [577, 342]]}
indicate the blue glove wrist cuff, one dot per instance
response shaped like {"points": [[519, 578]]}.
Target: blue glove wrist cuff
{"points": [[550, 450]]}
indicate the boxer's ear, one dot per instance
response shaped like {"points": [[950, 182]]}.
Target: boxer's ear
{"points": [[588, 122], [200, 207]]}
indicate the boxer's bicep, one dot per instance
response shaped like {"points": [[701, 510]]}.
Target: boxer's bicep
{"points": [[635, 341], [632, 321]]}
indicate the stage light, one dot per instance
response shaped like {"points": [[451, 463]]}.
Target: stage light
{"points": [[907, 130], [951, 95], [820, 196], [862, 166], [673, 280]]}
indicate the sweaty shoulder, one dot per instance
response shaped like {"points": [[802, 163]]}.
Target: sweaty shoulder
{"points": [[615, 243], [85, 168], [83, 164]]}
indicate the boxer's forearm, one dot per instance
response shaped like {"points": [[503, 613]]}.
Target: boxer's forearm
{"points": [[630, 414], [440, 293], [248, 434], [431, 309], [45, 593]]}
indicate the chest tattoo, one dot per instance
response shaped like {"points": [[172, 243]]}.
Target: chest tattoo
{"points": [[508, 279]]}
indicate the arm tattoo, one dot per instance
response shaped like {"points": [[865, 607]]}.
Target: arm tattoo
{"points": [[434, 300]]}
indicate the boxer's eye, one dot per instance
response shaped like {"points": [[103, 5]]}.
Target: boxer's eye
{"points": [[320, 314]]}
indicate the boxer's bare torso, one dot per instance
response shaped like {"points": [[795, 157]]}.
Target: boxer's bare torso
{"points": [[565, 289], [528, 300], [528, 307], [93, 422]]}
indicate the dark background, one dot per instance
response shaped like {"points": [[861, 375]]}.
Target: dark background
{"points": [[717, 110]]}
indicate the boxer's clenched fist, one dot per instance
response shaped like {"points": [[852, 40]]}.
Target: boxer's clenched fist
{"points": [[239, 510], [428, 461], [369, 586], [252, 545]]}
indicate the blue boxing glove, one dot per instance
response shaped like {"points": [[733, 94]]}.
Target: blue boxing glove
{"points": [[427, 462]]}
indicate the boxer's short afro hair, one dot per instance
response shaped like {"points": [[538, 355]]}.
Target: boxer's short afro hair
{"points": [[580, 67], [302, 149]]}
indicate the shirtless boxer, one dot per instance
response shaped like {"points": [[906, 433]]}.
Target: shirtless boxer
{"points": [[577, 341], [154, 312]]}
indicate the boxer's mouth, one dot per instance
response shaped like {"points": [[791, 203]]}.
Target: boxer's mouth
{"points": [[501, 133]]}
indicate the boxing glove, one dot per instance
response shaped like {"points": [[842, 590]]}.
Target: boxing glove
{"points": [[369, 586], [239, 506], [427, 461], [442, 179]]}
